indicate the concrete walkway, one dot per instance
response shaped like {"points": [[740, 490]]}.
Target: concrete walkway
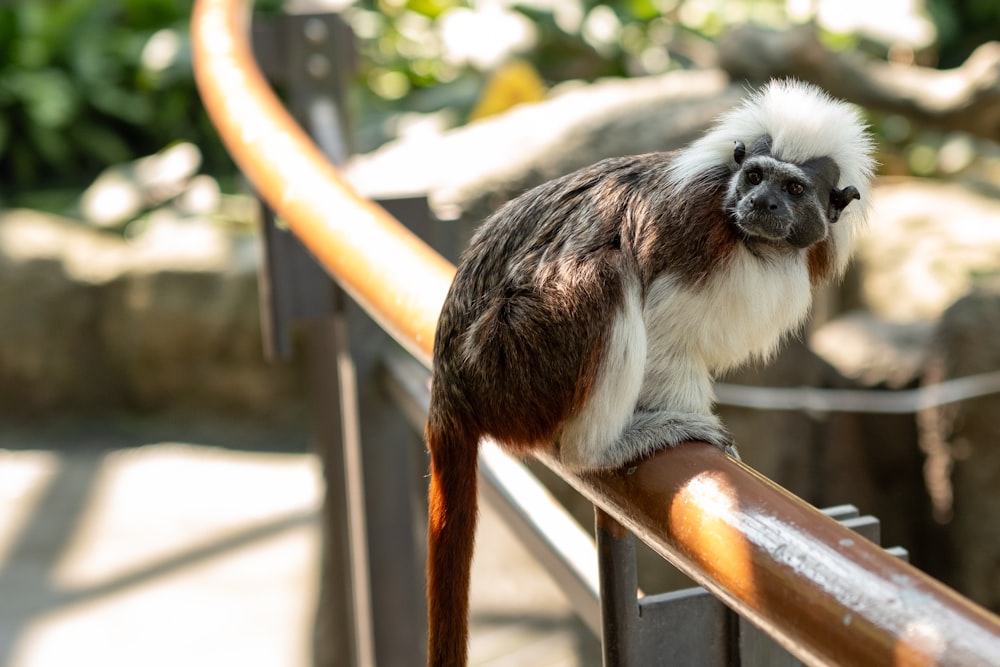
{"points": [[135, 550]]}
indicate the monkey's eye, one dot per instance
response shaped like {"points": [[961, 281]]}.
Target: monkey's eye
{"points": [[794, 188], [754, 176]]}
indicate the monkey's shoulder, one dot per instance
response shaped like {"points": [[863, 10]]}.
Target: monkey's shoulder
{"points": [[577, 210]]}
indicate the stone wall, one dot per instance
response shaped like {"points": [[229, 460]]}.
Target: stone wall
{"points": [[91, 322]]}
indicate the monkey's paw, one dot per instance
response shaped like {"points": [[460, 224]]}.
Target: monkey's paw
{"points": [[649, 432]]}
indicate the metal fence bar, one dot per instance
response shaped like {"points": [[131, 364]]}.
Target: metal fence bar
{"points": [[370, 607], [825, 595], [343, 626]]}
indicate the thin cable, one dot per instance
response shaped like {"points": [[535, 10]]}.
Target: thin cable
{"points": [[811, 399]]}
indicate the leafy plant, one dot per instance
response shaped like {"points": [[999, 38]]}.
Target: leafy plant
{"points": [[963, 25], [87, 83]]}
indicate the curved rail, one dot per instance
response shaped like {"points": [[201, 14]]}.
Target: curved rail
{"points": [[828, 596], [398, 280]]}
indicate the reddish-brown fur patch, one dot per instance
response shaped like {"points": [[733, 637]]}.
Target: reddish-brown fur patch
{"points": [[688, 235], [819, 258]]}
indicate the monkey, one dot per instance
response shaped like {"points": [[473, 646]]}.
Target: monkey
{"points": [[590, 314]]}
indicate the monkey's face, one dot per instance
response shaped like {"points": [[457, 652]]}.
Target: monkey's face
{"points": [[783, 202], [778, 201]]}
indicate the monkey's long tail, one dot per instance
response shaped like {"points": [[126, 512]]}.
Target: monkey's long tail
{"points": [[451, 536]]}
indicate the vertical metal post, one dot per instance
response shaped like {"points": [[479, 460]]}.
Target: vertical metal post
{"points": [[371, 608], [301, 52], [319, 55], [394, 503], [619, 591], [687, 627], [343, 632]]}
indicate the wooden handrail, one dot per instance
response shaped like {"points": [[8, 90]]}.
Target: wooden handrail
{"points": [[828, 596], [398, 280]]}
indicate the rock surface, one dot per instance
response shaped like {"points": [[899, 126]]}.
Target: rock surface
{"points": [[866, 348], [91, 321], [470, 171], [51, 353], [964, 447], [927, 245]]}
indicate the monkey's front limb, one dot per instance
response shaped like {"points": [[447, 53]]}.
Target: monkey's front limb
{"points": [[654, 430]]}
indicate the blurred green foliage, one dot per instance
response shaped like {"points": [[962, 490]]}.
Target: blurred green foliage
{"points": [[88, 83], [962, 26], [430, 55], [414, 41]]}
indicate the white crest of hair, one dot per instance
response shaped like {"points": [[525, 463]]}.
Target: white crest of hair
{"points": [[804, 122]]}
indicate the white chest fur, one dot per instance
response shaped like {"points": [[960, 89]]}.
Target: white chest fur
{"points": [[743, 313], [661, 353]]}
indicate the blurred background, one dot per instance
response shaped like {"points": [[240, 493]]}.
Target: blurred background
{"points": [[159, 498]]}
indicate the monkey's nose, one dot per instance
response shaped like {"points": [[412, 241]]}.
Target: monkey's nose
{"points": [[763, 204]]}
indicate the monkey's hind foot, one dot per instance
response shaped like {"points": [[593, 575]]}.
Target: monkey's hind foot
{"points": [[649, 432]]}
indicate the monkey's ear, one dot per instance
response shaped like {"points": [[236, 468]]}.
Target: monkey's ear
{"points": [[739, 151], [839, 199]]}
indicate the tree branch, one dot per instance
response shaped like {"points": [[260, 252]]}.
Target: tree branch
{"points": [[966, 98]]}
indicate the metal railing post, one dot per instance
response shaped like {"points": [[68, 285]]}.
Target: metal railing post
{"points": [[395, 489], [685, 627], [619, 591], [371, 604], [343, 633]]}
